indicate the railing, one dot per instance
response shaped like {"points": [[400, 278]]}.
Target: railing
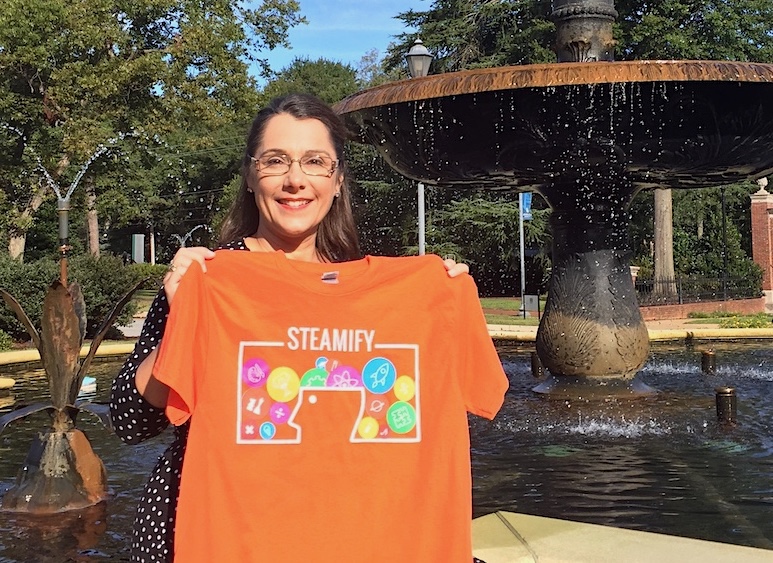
{"points": [[693, 290]]}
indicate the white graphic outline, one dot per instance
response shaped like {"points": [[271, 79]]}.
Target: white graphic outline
{"points": [[306, 397]]}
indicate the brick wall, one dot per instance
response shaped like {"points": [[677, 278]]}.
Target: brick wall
{"points": [[741, 306]]}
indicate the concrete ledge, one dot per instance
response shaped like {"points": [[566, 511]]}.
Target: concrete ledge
{"points": [[710, 334], [507, 537], [31, 355]]}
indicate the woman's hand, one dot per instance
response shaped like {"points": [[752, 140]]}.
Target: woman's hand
{"points": [[453, 269], [179, 265]]}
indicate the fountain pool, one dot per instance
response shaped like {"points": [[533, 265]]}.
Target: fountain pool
{"points": [[660, 464]]}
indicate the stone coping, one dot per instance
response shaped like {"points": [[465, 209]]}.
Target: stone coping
{"points": [[31, 355], [508, 537]]}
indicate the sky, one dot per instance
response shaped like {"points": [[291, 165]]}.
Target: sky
{"points": [[344, 30]]}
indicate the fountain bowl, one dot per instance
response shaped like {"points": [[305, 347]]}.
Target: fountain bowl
{"points": [[674, 124]]}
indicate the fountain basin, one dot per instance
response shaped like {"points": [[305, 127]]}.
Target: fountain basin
{"points": [[678, 124]]}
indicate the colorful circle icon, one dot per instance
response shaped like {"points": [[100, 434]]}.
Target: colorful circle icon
{"points": [[315, 377], [256, 403], [401, 417], [378, 375], [405, 388], [280, 413], [283, 384], [368, 428], [376, 406], [255, 372], [267, 430], [344, 376]]}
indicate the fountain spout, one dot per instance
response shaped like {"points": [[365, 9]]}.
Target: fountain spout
{"points": [[584, 30]]}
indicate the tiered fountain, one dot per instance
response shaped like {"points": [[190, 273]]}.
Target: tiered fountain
{"points": [[587, 134]]}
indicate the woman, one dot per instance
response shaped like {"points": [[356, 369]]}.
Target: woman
{"points": [[302, 207]]}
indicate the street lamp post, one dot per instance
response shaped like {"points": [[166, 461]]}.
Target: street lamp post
{"points": [[419, 59]]}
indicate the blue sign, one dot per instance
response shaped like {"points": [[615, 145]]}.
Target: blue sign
{"points": [[526, 205]]}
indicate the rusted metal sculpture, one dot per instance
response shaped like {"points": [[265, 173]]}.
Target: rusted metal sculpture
{"points": [[61, 471]]}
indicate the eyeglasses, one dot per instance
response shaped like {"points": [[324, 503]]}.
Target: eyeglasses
{"points": [[311, 164]]}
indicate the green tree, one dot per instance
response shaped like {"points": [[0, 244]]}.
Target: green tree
{"points": [[330, 81], [75, 74], [737, 30], [478, 228], [691, 29], [464, 34]]}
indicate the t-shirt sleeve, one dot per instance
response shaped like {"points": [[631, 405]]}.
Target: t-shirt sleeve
{"points": [[482, 378], [181, 351]]}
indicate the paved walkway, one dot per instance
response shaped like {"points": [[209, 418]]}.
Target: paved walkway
{"points": [[507, 537]]}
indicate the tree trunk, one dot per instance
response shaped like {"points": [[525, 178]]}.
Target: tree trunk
{"points": [[664, 282], [92, 219], [17, 236]]}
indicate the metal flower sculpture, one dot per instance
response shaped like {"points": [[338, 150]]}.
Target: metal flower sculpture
{"points": [[61, 471]]}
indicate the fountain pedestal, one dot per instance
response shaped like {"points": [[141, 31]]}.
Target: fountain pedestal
{"points": [[592, 337]]}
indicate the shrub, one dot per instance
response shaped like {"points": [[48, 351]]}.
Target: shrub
{"points": [[154, 273], [103, 281], [27, 282], [6, 342]]}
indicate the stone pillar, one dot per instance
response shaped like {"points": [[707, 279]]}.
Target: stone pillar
{"points": [[762, 238]]}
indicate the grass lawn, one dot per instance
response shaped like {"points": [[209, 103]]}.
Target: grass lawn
{"points": [[506, 311], [511, 320], [501, 303]]}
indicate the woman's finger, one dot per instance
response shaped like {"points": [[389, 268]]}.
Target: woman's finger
{"points": [[183, 260], [455, 269]]}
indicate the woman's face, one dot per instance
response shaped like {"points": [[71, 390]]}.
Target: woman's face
{"points": [[293, 204]]}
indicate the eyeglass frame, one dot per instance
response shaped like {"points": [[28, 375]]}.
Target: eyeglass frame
{"points": [[334, 165]]}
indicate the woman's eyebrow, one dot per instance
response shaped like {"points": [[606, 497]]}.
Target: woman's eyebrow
{"points": [[306, 152]]}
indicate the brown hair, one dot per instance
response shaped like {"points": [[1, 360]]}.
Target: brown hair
{"points": [[337, 238]]}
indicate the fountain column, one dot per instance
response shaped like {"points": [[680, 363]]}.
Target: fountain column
{"points": [[592, 337]]}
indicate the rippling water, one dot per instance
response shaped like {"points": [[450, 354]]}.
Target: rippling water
{"points": [[100, 533], [661, 464]]}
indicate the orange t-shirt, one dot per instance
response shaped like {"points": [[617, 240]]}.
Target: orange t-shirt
{"points": [[328, 407]]}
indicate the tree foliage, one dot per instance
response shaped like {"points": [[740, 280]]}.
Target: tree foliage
{"points": [[330, 81], [465, 34], [737, 30], [75, 74]]}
